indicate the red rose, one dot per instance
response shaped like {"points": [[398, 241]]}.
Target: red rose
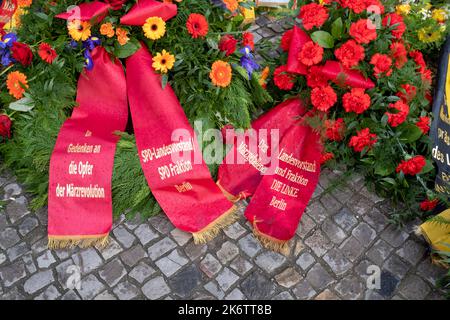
{"points": [[248, 40], [283, 79], [335, 129], [313, 15], [356, 101], [381, 64], [362, 140], [428, 205], [357, 6], [412, 166], [116, 4], [350, 53], [394, 19], [22, 53], [407, 93], [310, 54], [398, 52], [315, 77], [286, 40], [326, 157], [396, 119], [5, 126], [423, 124], [323, 98], [363, 31], [228, 44]]}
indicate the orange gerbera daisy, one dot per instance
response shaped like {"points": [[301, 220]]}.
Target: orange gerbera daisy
{"points": [[16, 82], [122, 36], [24, 3], [221, 74], [197, 25], [231, 5]]}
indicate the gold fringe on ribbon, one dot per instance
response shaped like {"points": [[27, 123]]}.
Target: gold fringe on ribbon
{"points": [[212, 230], [64, 242], [271, 243], [228, 195]]}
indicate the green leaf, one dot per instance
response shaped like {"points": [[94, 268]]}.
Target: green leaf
{"points": [[23, 105], [164, 80], [337, 28], [127, 49], [409, 133], [323, 39], [428, 167], [383, 168]]}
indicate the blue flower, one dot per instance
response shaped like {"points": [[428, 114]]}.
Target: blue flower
{"points": [[88, 62], [248, 61], [6, 59], [9, 39], [73, 44], [91, 43]]}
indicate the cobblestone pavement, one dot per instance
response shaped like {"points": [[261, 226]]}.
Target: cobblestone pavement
{"points": [[343, 236]]}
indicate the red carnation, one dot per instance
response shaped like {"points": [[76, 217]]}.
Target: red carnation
{"points": [[325, 157], [323, 98], [428, 205], [363, 31], [398, 52], [357, 6], [315, 77], [412, 166], [335, 129], [5, 126], [310, 54], [286, 40], [427, 75], [375, 4], [396, 119], [356, 101], [248, 40], [283, 79], [362, 140], [22, 53], [350, 53], [313, 15], [228, 44], [407, 93], [418, 59], [47, 53], [423, 124], [394, 19], [382, 64], [116, 4]]}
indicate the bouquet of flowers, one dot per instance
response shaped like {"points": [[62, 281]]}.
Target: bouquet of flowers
{"points": [[369, 95], [204, 52]]}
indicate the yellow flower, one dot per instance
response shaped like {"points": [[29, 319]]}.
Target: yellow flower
{"points": [[79, 30], [264, 75], [122, 36], [403, 9], [427, 35], [163, 61], [107, 29], [154, 28], [440, 15]]}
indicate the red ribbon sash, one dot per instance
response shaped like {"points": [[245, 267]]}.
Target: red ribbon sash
{"points": [[238, 177], [183, 187], [79, 200], [7, 10], [282, 196]]}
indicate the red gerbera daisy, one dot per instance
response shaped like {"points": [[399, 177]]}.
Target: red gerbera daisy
{"points": [[47, 53], [197, 25]]}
